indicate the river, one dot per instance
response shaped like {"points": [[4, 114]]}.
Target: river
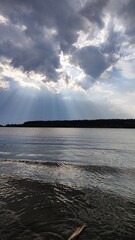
{"points": [[53, 180]]}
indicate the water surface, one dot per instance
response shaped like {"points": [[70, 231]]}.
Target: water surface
{"points": [[55, 179]]}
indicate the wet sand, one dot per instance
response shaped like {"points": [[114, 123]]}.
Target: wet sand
{"points": [[31, 209]]}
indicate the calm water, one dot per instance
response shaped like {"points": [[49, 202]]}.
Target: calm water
{"points": [[54, 180]]}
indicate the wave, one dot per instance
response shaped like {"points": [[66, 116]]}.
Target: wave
{"points": [[102, 169]]}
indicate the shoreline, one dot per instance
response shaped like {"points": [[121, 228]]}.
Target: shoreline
{"points": [[98, 123]]}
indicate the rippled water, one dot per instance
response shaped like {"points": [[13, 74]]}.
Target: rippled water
{"points": [[54, 180]]}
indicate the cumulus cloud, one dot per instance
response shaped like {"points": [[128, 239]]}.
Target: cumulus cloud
{"points": [[50, 27], [91, 60], [94, 11], [35, 33], [127, 15]]}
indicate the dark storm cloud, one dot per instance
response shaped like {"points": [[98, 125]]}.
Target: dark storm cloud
{"points": [[127, 14], [38, 30], [113, 42], [39, 48], [91, 60], [43, 48], [94, 11], [124, 12], [112, 46]]}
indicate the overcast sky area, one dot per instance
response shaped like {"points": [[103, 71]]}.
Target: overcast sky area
{"points": [[66, 59]]}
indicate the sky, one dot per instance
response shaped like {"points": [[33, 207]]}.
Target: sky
{"points": [[66, 59]]}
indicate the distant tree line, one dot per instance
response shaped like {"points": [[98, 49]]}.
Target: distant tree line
{"points": [[99, 123]]}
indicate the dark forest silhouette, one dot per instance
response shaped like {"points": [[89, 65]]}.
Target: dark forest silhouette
{"points": [[99, 123]]}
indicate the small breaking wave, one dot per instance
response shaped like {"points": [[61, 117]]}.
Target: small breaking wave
{"points": [[112, 179], [103, 169]]}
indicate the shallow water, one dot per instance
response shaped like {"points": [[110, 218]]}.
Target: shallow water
{"points": [[54, 180]]}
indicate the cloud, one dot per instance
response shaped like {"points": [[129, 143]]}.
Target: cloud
{"points": [[127, 14], [4, 84], [123, 15], [127, 69], [94, 11], [38, 31], [91, 60], [94, 34], [50, 27], [28, 52], [10, 76]]}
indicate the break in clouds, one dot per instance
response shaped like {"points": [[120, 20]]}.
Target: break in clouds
{"points": [[49, 37]]}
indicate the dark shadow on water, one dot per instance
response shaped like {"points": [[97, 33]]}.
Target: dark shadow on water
{"points": [[37, 210]]}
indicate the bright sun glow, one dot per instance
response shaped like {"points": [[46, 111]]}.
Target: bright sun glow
{"points": [[3, 20]]}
